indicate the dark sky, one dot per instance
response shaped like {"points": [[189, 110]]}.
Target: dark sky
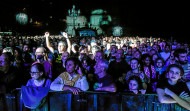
{"points": [[144, 18]]}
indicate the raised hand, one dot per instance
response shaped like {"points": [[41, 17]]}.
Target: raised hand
{"points": [[46, 34], [64, 34]]}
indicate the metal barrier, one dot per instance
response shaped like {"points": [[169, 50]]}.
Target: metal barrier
{"points": [[91, 101]]}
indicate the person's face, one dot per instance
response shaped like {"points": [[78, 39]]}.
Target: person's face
{"points": [[98, 56], [39, 52], [83, 41], [94, 50], [174, 74], [97, 68], [61, 47], [185, 46], [137, 55], [178, 46], [35, 74], [158, 41], [104, 43], [119, 54], [93, 44], [159, 63], [25, 48], [183, 58], [140, 48], [21, 46], [113, 49], [152, 52], [16, 53], [134, 64], [155, 47], [124, 48], [129, 52], [133, 85], [167, 49], [154, 57], [147, 61], [148, 43], [34, 49], [84, 63], [133, 50], [70, 67], [138, 43], [82, 53], [4, 64], [175, 43], [64, 56]]}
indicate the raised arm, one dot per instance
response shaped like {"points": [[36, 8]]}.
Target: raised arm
{"points": [[65, 35], [48, 44]]}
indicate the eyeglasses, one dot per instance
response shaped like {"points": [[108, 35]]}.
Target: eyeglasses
{"points": [[34, 73]]}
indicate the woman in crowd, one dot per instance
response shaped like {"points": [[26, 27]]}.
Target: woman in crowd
{"points": [[135, 70], [137, 54], [154, 57], [149, 70], [39, 79], [18, 61], [61, 49], [135, 85], [173, 89], [160, 68]]}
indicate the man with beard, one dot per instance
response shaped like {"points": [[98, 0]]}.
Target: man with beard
{"points": [[181, 59]]}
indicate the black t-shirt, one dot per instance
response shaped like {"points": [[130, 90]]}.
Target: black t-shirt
{"points": [[58, 58], [105, 81], [11, 79], [178, 88], [116, 69], [57, 65]]}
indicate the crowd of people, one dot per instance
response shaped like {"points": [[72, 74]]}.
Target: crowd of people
{"points": [[137, 65]]}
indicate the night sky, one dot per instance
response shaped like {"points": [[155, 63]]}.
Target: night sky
{"points": [[140, 18]]}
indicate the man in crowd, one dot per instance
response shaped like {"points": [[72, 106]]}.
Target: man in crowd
{"points": [[118, 68], [181, 59], [104, 81], [41, 58], [9, 76]]}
